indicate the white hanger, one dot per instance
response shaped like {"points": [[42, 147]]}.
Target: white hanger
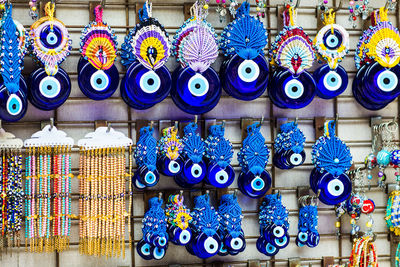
{"points": [[49, 136], [8, 140], [105, 137]]}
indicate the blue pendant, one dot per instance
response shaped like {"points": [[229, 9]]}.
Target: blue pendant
{"points": [[245, 79], [334, 190], [254, 186], [193, 173], [382, 84], [220, 177], [144, 250], [13, 106], [330, 83], [237, 244], [146, 177], [169, 167], [205, 246], [131, 101]]}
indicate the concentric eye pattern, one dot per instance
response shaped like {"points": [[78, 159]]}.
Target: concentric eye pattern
{"points": [[333, 40], [236, 243], [294, 89], [211, 245], [184, 237], [302, 236], [257, 184], [198, 85], [158, 253], [278, 231], [248, 71], [335, 187], [14, 105], [51, 37], [150, 82], [222, 177], [196, 170], [332, 81], [387, 81], [296, 159], [50, 87], [174, 167], [100, 81], [150, 177], [270, 249]]}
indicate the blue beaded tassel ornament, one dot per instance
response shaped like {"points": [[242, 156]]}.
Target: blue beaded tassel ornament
{"points": [[254, 181], [308, 224]]}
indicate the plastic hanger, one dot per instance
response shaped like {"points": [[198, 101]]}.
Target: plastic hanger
{"points": [[8, 140], [49, 136], [105, 137]]}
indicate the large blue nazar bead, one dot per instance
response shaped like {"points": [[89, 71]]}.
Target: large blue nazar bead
{"points": [[220, 177], [13, 106]]}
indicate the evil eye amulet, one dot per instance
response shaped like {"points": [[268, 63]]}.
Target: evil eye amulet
{"points": [[196, 93], [220, 177], [383, 157], [235, 244], [266, 248], [245, 79], [313, 239], [136, 183], [205, 246], [254, 186], [193, 173], [147, 177], [144, 250], [368, 206], [223, 251], [160, 241], [157, 252], [169, 167], [179, 236], [97, 84], [48, 92], [330, 83], [13, 106], [302, 238], [281, 242], [381, 84], [334, 189]]}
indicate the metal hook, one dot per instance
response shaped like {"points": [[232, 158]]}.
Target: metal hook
{"points": [[151, 125], [51, 124], [160, 195], [223, 124], [1, 124], [297, 4], [235, 192], [339, 7], [336, 119], [195, 119], [261, 121], [108, 127], [181, 193], [176, 125], [296, 121], [103, 3]]}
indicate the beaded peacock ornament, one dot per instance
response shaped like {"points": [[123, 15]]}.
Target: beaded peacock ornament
{"points": [[170, 146], [254, 181], [178, 218]]}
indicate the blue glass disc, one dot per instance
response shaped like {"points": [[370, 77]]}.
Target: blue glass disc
{"points": [[330, 83], [334, 190], [13, 106], [219, 177], [254, 186]]}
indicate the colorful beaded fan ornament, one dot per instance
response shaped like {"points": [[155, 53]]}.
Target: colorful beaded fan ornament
{"points": [[170, 146], [13, 42], [178, 218]]}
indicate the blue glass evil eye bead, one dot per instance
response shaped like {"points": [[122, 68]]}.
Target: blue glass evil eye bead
{"points": [[330, 83], [193, 173], [220, 177], [196, 93], [181, 237], [334, 190], [281, 242], [131, 101], [144, 250], [48, 92], [147, 177], [223, 250], [254, 186], [169, 167], [266, 248], [207, 246], [157, 253], [235, 244], [245, 79], [13, 106], [97, 84], [313, 239], [381, 83], [51, 36]]}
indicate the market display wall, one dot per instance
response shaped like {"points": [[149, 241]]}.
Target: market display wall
{"points": [[78, 116]]}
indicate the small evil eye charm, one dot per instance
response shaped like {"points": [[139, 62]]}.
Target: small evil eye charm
{"points": [[330, 83], [281, 242], [207, 246], [332, 39], [157, 253], [295, 159], [254, 186], [147, 177], [302, 238], [235, 244], [220, 177], [223, 251], [266, 248], [136, 183], [181, 236], [193, 173], [381, 84], [196, 93], [368, 206], [48, 92], [51, 37], [13, 106], [313, 239], [160, 241], [170, 167], [245, 79], [144, 250], [97, 84], [383, 157]]}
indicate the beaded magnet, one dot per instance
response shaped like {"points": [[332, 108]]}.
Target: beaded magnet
{"points": [[98, 76], [144, 52], [178, 218], [48, 190], [245, 70], [196, 86], [308, 222], [331, 158], [274, 225], [254, 181], [13, 88], [291, 86], [11, 192], [289, 147], [331, 46], [377, 60], [102, 192], [219, 154], [50, 43], [170, 146]]}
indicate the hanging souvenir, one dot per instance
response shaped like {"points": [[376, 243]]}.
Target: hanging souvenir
{"points": [[254, 181], [33, 11], [154, 242], [359, 8], [205, 242], [194, 168], [231, 233], [145, 156], [392, 212], [145, 51], [364, 252], [245, 70], [13, 89], [331, 46], [169, 161], [11, 191], [219, 154], [102, 174], [377, 60], [308, 223], [98, 77], [48, 190], [292, 52], [331, 158], [178, 218], [289, 147], [196, 85], [274, 225]]}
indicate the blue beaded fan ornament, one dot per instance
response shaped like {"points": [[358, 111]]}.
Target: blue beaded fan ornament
{"points": [[274, 225], [289, 147], [254, 181], [308, 226], [144, 53], [231, 233], [169, 161], [245, 70], [13, 89], [154, 242], [146, 160], [205, 242], [219, 152], [331, 158], [194, 169], [178, 217]]}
